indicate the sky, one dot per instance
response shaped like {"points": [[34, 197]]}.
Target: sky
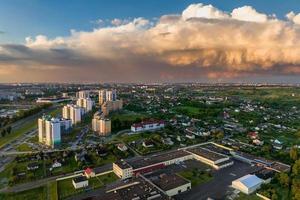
{"points": [[149, 41]]}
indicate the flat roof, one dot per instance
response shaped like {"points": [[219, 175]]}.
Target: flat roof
{"points": [[280, 167], [215, 148], [151, 160], [79, 179], [135, 189], [170, 181], [122, 164], [206, 153]]}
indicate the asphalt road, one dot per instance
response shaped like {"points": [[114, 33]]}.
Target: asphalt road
{"points": [[41, 182]]}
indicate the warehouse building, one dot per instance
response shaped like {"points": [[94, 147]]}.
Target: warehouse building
{"points": [[172, 184], [247, 184], [127, 169], [216, 160]]}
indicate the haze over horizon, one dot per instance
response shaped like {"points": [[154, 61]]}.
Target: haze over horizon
{"points": [[170, 41]]}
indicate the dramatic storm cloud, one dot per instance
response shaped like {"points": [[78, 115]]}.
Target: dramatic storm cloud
{"points": [[202, 42]]}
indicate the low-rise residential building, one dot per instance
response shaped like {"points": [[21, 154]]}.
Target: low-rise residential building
{"points": [[32, 166], [80, 182], [122, 147], [89, 172], [149, 125]]}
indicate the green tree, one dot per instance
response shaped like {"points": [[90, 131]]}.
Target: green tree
{"points": [[294, 153], [284, 179], [296, 189], [296, 168]]}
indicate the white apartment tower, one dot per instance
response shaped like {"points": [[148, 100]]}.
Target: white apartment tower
{"points": [[83, 94], [73, 113], [111, 95], [50, 130], [85, 103], [102, 97]]}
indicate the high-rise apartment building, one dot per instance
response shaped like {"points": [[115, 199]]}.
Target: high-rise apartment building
{"points": [[85, 103], [111, 95], [101, 124], [72, 112], [83, 94], [102, 97], [107, 95], [50, 130]]}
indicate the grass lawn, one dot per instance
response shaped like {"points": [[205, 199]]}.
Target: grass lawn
{"points": [[24, 147], [36, 194], [26, 127], [52, 190], [66, 188], [135, 137], [243, 196], [188, 109], [196, 176]]}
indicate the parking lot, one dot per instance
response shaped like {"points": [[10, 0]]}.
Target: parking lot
{"points": [[219, 187]]}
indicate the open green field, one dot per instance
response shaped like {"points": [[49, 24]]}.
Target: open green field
{"points": [[24, 147], [196, 176], [243, 196], [39, 193], [188, 109]]}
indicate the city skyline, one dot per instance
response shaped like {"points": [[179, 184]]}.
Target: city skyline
{"points": [[183, 41]]}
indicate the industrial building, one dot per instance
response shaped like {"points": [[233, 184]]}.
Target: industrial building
{"points": [[127, 169], [172, 184], [214, 159], [247, 184], [135, 189]]}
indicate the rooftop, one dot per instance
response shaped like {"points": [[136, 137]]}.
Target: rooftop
{"points": [[208, 154], [170, 181], [249, 180], [122, 164], [135, 189], [148, 122], [79, 179], [151, 160]]}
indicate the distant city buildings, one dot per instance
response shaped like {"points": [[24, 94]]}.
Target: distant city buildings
{"points": [[50, 130], [83, 94], [72, 112], [101, 124]]}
